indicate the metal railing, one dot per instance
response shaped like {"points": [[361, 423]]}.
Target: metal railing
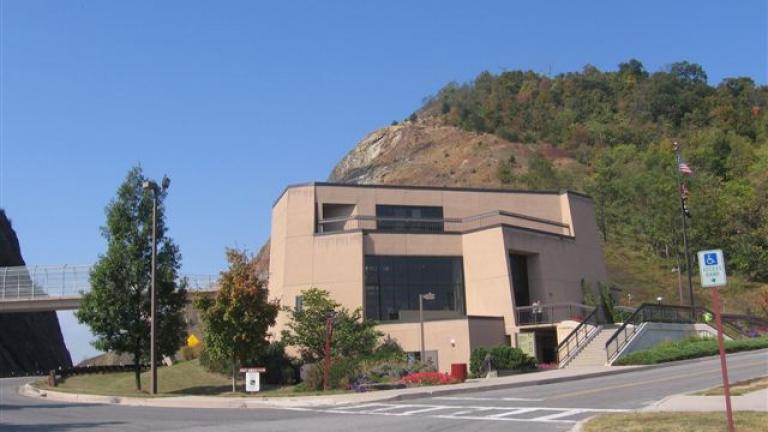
{"points": [[551, 313], [661, 313], [66, 281], [578, 338], [647, 312], [439, 225]]}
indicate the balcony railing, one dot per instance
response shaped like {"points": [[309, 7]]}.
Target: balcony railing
{"points": [[551, 313], [439, 225]]}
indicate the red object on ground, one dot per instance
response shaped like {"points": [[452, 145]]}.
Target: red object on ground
{"points": [[459, 371]]}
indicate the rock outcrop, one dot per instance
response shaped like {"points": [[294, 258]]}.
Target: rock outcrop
{"points": [[29, 342]]}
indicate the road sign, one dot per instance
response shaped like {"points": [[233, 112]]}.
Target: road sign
{"points": [[252, 381], [253, 369], [712, 268], [192, 341]]}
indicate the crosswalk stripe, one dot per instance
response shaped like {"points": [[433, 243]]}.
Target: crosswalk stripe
{"points": [[558, 415], [514, 412]]}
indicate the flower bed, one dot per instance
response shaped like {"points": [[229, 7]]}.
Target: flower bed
{"points": [[428, 378]]}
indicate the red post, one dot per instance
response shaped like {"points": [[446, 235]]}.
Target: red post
{"points": [[723, 366], [327, 368]]}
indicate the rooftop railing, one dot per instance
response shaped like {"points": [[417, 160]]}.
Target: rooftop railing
{"points": [[440, 225]]}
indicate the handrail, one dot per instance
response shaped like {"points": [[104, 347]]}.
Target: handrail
{"points": [[550, 313], [652, 312], [564, 350], [659, 313]]}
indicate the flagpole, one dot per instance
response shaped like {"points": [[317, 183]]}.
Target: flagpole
{"points": [[685, 231]]}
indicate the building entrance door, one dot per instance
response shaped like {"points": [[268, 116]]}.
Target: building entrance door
{"points": [[518, 265]]}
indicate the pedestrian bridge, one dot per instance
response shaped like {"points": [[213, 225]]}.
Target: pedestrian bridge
{"points": [[60, 287]]}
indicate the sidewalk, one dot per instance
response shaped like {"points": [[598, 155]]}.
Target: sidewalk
{"points": [[754, 401], [522, 380]]}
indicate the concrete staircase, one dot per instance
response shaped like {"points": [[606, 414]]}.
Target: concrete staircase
{"points": [[593, 354]]}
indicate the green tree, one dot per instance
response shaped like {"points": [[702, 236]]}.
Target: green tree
{"points": [[117, 308], [237, 321], [352, 336]]}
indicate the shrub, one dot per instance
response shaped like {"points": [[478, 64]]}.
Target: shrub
{"points": [[280, 368], [187, 353], [502, 357], [428, 378], [218, 365], [690, 348]]}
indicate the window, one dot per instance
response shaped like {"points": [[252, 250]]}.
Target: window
{"points": [[409, 218], [299, 305], [393, 285]]}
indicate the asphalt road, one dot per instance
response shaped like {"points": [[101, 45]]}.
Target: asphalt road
{"points": [[552, 407]]}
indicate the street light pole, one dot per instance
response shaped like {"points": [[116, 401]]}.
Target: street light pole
{"points": [[153, 301], [152, 186], [422, 297]]}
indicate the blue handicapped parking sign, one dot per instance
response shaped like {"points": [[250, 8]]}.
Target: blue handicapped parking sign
{"points": [[710, 259]]}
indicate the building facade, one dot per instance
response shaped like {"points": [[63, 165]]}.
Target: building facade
{"points": [[501, 264]]}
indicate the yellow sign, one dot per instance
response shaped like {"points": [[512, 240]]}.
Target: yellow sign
{"points": [[193, 341]]}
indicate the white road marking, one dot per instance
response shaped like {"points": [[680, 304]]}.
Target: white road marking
{"points": [[504, 399], [423, 410], [568, 413], [513, 412], [554, 415]]}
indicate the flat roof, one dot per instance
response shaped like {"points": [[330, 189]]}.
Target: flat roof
{"points": [[438, 188]]}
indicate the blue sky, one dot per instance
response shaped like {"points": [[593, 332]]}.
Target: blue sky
{"points": [[234, 100]]}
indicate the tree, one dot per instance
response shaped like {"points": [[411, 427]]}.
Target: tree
{"points": [[117, 309], [236, 322], [352, 336]]}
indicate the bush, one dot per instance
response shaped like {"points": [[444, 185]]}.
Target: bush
{"points": [[690, 348], [187, 353], [222, 366], [502, 357], [280, 368], [428, 378]]}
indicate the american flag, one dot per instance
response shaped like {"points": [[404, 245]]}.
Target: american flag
{"points": [[683, 167]]}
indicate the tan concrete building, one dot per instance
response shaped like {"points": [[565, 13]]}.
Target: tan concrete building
{"points": [[491, 257]]}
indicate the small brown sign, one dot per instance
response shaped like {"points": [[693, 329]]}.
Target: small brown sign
{"points": [[253, 369]]}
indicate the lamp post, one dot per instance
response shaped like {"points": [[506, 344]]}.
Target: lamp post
{"points": [[658, 300], [422, 297], [155, 189]]}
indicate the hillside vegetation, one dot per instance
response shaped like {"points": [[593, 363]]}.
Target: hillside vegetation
{"points": [[609, 134], [621, 125]]}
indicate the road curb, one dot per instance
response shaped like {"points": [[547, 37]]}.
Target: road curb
{"points": [[29, 390]]}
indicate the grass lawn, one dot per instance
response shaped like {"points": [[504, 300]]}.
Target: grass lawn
{"points": [[677, 422], [181, 379], [688, 349], [738, 388]]}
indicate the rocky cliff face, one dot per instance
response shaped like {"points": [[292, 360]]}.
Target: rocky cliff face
{"points": [[427, 153], [29, 342]]}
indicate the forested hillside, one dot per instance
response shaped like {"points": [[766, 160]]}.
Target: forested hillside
{"points": [[621, 126]]}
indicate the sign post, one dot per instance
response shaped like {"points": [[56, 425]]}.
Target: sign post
{"points": [[712, 272], [253, 378]]}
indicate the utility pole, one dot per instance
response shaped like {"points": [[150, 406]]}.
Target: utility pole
{"points": [[685, 230], [152, 186]]}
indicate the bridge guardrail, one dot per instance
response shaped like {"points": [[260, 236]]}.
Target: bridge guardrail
{"points": [[67, 281]]}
